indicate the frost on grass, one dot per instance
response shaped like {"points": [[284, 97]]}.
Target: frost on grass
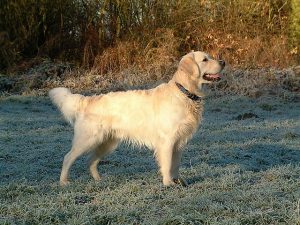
{"points": [[240, 171]]}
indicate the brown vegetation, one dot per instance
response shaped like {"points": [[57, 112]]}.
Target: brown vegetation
{"points": [[120, 43], [244, 32]]}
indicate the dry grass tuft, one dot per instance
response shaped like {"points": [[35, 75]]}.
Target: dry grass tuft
{"points": [[155, 57], [247, 82], [116, 59], [258, 82]]}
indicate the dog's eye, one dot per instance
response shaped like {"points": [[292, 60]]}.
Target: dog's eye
{"points": [[204, 60]]}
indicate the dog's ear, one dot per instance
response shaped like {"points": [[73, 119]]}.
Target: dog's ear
{"points": [[188, 64]]}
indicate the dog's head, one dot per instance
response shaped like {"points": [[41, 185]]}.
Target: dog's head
{"points": [[201, 68]]}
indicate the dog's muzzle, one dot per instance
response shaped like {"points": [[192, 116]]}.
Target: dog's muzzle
{"points": [[214, 77]]}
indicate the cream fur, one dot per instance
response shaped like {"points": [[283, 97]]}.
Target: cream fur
{"points": [[163, 118]]}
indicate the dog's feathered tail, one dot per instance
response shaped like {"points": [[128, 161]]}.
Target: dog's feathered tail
{"points": [[67, 102]]}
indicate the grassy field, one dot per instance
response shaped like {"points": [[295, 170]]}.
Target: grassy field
{"points": [[241, 170]]}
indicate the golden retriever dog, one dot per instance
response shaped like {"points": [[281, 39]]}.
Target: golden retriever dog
{"points": [[163, 118]]}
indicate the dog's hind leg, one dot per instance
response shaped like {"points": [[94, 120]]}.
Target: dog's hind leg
{"points": [[96, 155], [82, 143], [69, 159]]}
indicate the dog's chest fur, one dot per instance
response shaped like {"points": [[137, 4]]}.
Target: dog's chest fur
{"points": [[189, 125]]}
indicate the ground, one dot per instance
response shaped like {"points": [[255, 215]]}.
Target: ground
{"points": [[242, 166]]}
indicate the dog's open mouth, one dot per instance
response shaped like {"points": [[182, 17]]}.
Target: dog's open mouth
{"points": [[212, 77]]}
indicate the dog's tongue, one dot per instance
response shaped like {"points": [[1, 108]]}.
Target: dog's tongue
{"points": [[214, 76]]}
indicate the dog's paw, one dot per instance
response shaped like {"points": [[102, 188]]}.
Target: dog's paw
{"points": [[97, 178], [64, 183], [168, 182], [180, 181]]}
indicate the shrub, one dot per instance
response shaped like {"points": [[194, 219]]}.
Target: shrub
{"points": [[245, 32]]}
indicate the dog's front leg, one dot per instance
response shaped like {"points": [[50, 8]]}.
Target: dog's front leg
{"points": [[176, 158], [164, 155]]}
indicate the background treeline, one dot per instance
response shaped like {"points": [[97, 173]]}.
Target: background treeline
{"points": [[112, 35]]}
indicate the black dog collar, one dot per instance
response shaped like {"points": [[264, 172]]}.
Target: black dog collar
{"points": [[187, 93]]}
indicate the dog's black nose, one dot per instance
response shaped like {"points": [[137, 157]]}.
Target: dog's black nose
{"points": [[222, 63]]}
